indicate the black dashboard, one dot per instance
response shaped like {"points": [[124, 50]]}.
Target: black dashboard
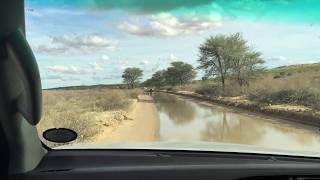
{"points": [[142, 164]]}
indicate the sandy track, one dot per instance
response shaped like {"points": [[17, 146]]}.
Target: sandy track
{"points": [[143, 125]]}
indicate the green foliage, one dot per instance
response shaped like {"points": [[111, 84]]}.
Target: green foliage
{"points": [[131, 76], [158, 78], [179, 73], [229, 56]]}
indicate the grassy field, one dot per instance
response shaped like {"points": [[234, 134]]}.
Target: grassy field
{"points": [[85, 111], [296, 85]]}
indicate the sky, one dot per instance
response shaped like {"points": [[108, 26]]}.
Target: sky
{"points": [[86, 42]]}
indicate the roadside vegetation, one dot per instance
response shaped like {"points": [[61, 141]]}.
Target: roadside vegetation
{"points": [[234, 69], [85, 111], [132, 76], [178, 74], [300, 87], [297, 85]]}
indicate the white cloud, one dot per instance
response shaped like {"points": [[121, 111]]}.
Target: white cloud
{"points": [[53, 50], [75, 70], [313, 61], [52, 77], [145, 62], [109, 77], [70, 78], [165, 24], [66, 69], [122, 67], [95, 66], [137, 30], [105, 57], [279, 58], [55, 77], [122, 64], [86, 43], [83, 43], [173, 57]]}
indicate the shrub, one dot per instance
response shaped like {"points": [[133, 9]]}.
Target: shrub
{"points": [[277, 76], [282, 74], [210, 90], [290, 96]]}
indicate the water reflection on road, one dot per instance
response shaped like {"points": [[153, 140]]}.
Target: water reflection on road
{"points": [[191, 120]]}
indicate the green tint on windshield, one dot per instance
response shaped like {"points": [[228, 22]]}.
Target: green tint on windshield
{"points": [[271, 10]]}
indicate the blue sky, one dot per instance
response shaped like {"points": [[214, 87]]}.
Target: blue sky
{"points": [[91, 42]]}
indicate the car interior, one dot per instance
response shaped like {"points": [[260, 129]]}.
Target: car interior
{"points": [[23, 156]]}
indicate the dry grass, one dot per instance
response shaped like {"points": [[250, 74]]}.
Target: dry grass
{"points": [[297, 85], [85, 111]]}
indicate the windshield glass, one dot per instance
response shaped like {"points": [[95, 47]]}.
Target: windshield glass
{"points": [[197, 74]]}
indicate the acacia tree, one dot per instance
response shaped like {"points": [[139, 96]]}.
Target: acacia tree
{"points": [[158, 78], [222, 56], [244, 69], [213, 58], [132, 76], [245, 62], [179, 73]]}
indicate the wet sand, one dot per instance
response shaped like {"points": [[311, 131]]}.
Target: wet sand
{"points": [[142, 125]]}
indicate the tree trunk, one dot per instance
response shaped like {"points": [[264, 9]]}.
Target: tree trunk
{"points": [[222, 82], [131, 84], [239, 79]]}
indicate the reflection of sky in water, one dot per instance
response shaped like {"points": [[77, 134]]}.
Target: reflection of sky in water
{"points": [[184, 120]]}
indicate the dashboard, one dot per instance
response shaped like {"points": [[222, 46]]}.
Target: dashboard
{"points": [[164, 165]]}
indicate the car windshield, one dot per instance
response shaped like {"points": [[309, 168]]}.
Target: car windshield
{"points": [[210, 75]]}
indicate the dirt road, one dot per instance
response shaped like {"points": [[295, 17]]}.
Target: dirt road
{"points": [[142, 125]]}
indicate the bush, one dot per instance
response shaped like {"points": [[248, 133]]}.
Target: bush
{"points": [[210, 90], [282, 75], [289, 96], [277, 76]]}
